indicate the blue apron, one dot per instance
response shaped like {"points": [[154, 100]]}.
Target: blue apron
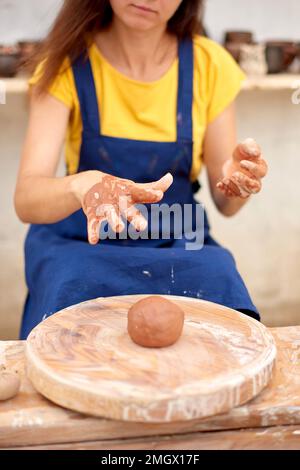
{"points": [[62, 269]]}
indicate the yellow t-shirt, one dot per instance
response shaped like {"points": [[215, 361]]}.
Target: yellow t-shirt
{"points": [[147, 111]]}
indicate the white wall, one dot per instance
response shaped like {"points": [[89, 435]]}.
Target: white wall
{"points": [[268, 18], [26, 19]]}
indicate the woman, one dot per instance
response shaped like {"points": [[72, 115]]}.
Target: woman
{"points": [[142, 101]]}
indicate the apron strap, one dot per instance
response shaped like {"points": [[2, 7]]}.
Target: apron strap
{"points": [[185, 91], [86, 91]]}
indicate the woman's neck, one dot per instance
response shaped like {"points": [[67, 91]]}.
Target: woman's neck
{"points": [[141, 55]]}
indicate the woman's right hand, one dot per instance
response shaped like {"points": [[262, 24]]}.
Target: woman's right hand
{"points": [[107, 198]]}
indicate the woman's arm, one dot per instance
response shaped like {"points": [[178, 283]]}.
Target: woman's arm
{"points": [[234, 172], [40, 196]]}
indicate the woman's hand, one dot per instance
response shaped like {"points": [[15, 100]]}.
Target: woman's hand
{"points": [[107, 198], [242, 174]]}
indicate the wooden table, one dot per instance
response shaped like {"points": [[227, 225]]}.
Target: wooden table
{"points": [[271, 421]]}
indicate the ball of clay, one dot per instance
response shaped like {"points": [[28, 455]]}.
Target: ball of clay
{"points": [[9, 385], [155, 322]]}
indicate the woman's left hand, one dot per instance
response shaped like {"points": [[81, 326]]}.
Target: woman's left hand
{"points": [[243, 172]]}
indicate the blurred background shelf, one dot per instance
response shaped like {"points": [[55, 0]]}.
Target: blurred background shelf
{"points": [[15, 85], [263, 83], [273, 82]]}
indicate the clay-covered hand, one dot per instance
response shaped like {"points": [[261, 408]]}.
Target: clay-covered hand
{"points": [[242, 174], [107, 198]]}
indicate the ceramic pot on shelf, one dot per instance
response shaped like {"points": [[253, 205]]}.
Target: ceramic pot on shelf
{"points": [[234, 40], [27, 48], [253, 59], [9, 61], [240, 37], [280, 55]]}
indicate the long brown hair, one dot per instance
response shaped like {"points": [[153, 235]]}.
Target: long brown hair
{"points": [[81, 19]]}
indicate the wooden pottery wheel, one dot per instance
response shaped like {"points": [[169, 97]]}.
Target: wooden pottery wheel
{"points": [[82, 358]]}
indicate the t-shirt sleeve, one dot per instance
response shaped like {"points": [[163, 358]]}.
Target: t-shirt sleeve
{"points": [[62, 87], [224, 81]]}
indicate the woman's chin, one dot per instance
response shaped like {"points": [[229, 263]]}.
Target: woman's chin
{"points": [[139, 23]]}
